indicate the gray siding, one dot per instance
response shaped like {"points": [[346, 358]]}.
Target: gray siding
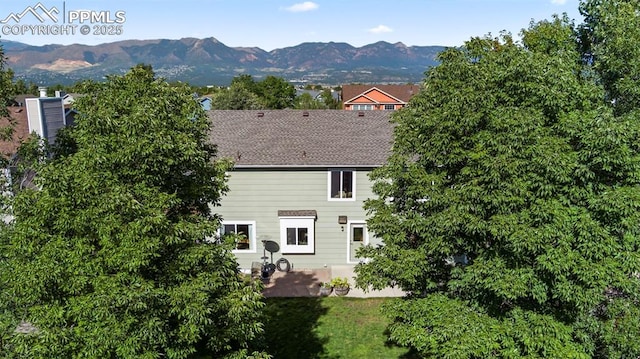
{"points": [[53, 112], [46, 117], [258, 195]]}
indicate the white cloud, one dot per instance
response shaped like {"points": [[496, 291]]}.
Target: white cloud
{"points": [[302, 7], [380, 29], [559, 2]]}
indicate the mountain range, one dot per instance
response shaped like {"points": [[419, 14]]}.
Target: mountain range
{"points": [[207, 61]]}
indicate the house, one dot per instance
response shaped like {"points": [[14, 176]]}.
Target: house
{"points": [[316, 94], [300, 180], [377, 97], [46, 115], [67, 98], [20, 123], [205, 102]]}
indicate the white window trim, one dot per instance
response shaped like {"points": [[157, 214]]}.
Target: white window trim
{"points": [[252, 236], [362, 107], [353, 185], [366, 239], [297, 222]]}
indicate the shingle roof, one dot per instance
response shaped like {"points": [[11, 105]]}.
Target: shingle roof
{"points": [[21, 130], [401, 92], [332, 138]]}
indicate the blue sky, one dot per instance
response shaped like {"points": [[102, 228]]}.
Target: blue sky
{"points": [[271, 24]]}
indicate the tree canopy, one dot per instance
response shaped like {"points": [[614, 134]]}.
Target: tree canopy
{"points": [[109, 255], [509, 208], [7, 91]]}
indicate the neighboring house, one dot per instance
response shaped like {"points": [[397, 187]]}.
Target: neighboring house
{"points": [[19, 100], [317, 95], [205, 102], [20, 124], [43, 115], [313, 93], [67, 98], [300, 180], [46, 115], [377, 97]]}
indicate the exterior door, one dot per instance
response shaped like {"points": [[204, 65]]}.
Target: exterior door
{"points": [[357, 239]]}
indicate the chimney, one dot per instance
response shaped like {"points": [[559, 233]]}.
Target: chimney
{"points": [[43, 91]]}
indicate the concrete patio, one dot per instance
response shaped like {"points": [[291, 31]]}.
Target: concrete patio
{"points": [[306, 283]]}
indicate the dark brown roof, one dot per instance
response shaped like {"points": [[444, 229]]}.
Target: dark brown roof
{"points": [[20, 100], [401, 92], [21, 130], [313, 138]]}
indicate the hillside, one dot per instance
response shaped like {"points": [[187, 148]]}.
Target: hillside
{"points": [[210, 62]]}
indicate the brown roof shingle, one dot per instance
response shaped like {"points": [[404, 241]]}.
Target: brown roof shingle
{"points": [[21, 130], [313, 138]]}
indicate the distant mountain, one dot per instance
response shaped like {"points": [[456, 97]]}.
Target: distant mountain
{"points": [[210, 62], [12, 45]]}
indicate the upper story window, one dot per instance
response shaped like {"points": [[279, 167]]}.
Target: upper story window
{"points": [[342, 185], [246, 231], [361, 107], [389, 107]]}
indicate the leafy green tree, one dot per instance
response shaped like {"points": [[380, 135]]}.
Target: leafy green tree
{"points": [[326, 101], [306, 102], [21, 87], [246, 81], [236, 97], [109, 257], [329, 101], [610, 36], [509, 206], [276, 93], [6, 85]]}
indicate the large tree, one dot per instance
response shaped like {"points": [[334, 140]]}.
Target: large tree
{"points": [[109, 255], [276, 93], [238, 96], [609, 37], [7, 91], [509, 207]]}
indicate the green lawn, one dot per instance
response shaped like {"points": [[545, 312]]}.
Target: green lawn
{"points": [[328, 328]]}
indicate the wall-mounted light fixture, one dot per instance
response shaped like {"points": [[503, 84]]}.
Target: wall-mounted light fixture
{"points": [[342, 220]]}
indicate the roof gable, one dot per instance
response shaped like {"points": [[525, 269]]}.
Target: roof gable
{"points": [[299, 138], [402, 93], [374, 95]]}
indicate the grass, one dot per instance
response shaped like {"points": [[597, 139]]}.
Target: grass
{"points": [[328, 328]]}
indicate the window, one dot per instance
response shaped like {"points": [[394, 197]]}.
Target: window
{"points": [[341, 185], [297, 234], [246, 232], [361, 107], [389, 107]]}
